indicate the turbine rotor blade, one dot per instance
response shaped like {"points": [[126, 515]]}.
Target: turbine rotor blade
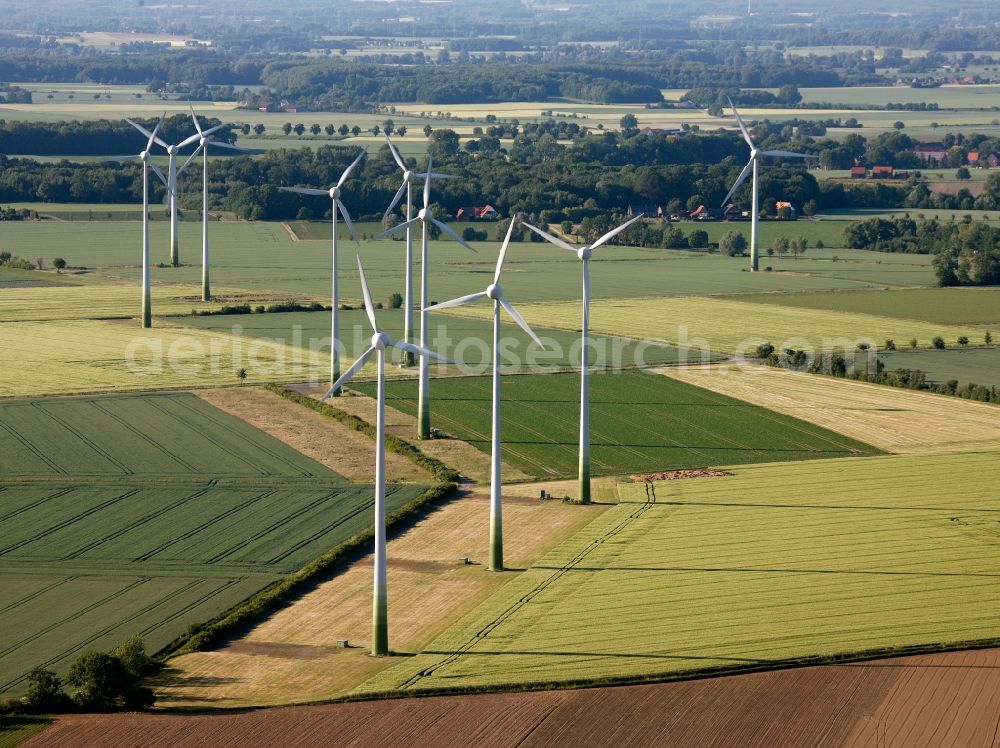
{"points": [[615, 232], [220, 144], [146, 132], [460, 301], [355, 368], [411, 348], [436, 175], [195, 120], [739, 180], [210, 130], [397, 228], [305, 191], [156, 170], [739, 121], [395, 200], [553, 239], [347, 220], [189, 140], [395, 154], [369, 304], [448, 230], [427, 182], [190, 159], [520, 320], [152, 135], [503, 249], [349, 169], [787, 154]]}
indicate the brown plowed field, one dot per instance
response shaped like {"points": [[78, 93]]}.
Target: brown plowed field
{"points": [[948, 699]]}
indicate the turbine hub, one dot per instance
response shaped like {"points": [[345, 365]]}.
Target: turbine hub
{"points": [[425, 214], [494, 291], [144, 156], [407, 176], [203, 141], [753, 153], [334, 193], [584, 253], [380, 341], [172, 150]]}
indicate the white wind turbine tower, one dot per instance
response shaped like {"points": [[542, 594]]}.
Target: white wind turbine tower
{"points": [[380, 341], [495, 292], [755, 156], [172, 172], [409, 178], [204, 143], [335, 204], [424, 217], [584, 254], [147, 312]]}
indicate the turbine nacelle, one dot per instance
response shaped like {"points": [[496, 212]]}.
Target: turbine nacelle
{"points": [[494, 291], [381, 341], [425, 214], [753, 153], [172, 150], [203, 141], [334, 193], [409, 177], [584, 253], [144, 156]]}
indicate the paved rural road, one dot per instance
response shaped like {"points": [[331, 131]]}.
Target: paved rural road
{"points": [[948, 699]]}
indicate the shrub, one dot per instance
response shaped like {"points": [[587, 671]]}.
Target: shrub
{"points": [[396, 301], [100, 679], [890, 345], [963, 340], [59, 263], [938, 342], [987, 338], [132, 654], [45, 692], [733, 244], [698, 238], [913, 342]]}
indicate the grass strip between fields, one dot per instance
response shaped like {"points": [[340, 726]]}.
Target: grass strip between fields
{"points": [[393, 443]]}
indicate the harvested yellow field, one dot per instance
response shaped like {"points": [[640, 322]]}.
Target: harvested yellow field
{"points": [[293, 655], [93, 301], [329, 442], [726, 325], [893, 419]]}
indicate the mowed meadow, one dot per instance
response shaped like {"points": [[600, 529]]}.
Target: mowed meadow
{"points": [[145, 514], [774, 565]]}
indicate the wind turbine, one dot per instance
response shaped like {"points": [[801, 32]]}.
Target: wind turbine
{"points": [[172, 172], [147, 313], [495, 292], [584, 254], [335, 204], [409, 178], [380, 341], [424, 217], [755, 156], [204, 143]]}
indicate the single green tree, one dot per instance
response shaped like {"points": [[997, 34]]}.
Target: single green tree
{"points": [[59, 264], [100, 679], [396, 301], [241, 374], [733, 244], [987, 338], [938, 342], [963, 340]]}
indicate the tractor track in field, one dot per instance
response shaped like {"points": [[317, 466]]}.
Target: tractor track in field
{"points": [[525, 599]]}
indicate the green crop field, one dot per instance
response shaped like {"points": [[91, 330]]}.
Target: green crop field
{"points": [[976, 365], [15, 278], [143, 514], [731, 325], [263, 257], [947, 306], [463, 339], [775, 563], [639, 422]]}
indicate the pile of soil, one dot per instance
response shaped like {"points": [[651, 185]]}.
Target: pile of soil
{"points": [[677, 475]]}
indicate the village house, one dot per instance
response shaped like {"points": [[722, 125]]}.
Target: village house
{"points": [[932, 152], [858, 172], [477, 213], [882, 172]]}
